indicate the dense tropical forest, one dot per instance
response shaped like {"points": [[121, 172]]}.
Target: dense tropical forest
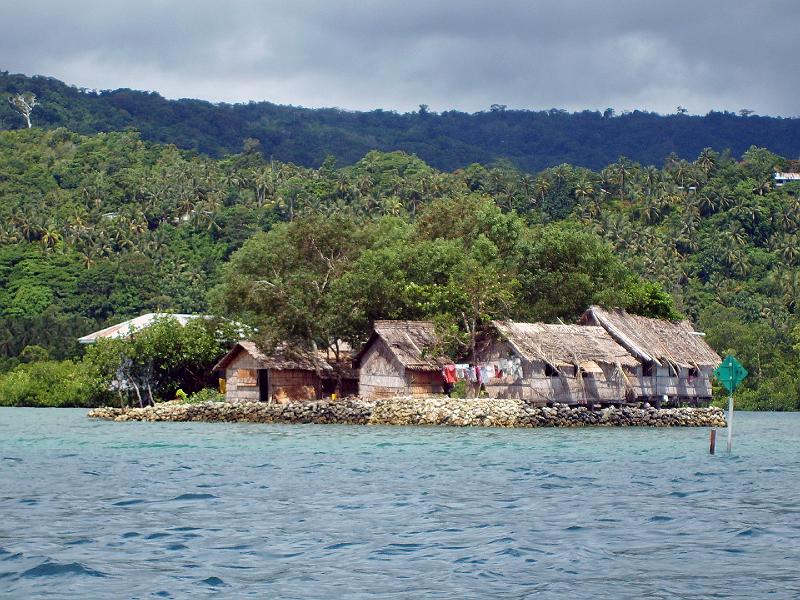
{"points": [[95, 229], [530, 140]]}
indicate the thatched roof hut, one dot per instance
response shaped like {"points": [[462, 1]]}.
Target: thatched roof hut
{"points": [[411, 343], [563, 345], [543, 363], [285, 374], [283, 357], [398, 359], [662, 342]]}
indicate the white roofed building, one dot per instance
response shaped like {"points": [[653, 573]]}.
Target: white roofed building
{"points": [[126, 328], [784, 178]]}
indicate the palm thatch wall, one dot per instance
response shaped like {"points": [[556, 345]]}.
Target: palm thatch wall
{"points": [[399, 359]]}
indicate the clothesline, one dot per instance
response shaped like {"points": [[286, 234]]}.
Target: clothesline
{"points": [[483, 372]]}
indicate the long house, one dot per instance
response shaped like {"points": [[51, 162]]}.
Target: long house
{"points": [[543, 363], [674, 361], [399, 360]]}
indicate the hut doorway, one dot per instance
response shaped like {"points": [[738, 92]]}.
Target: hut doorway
{"points": [[263, 385]]}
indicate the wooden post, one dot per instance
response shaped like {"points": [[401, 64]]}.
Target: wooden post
{"points": [[730, 422], [712, 441]]}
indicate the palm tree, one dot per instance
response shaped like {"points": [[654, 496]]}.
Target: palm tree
{"points": [[707, 160], [584, 189], [618, 173], [88, 257], [788, 249], [542, 185], [50, 238], [526, 184], [788, 283], [7, 236], [652, 180], [392, 206], [651, 210]]}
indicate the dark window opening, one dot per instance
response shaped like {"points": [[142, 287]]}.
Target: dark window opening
{"points": [[549, 371], [648, 368]]}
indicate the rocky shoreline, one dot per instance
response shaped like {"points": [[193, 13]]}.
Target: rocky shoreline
{"points": [[480, 412]]}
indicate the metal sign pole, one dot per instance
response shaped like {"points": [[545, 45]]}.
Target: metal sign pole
{"points": [[730, 374], [730, 422]]}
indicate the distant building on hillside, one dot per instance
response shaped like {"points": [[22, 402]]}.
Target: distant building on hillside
{"points": [[126, 328], [784, 178]]}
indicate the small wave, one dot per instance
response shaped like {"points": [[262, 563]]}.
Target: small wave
{"points": [[79, 542], [195, 497], [51, 569], [660, 519], [128, 502], [212, 581], [157, 536], [340, 545], [9, 556], [177, 546], [750, 532]]}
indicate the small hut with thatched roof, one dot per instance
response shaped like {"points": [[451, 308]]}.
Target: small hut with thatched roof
{"points": [[675, 362], [283, 375], [544, 364], [399, 360]]}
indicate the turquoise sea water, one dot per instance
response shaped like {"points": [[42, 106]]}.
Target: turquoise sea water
{"points": [[92, 509]]}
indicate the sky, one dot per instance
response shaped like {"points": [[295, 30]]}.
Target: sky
{"points": [[449, 54]]}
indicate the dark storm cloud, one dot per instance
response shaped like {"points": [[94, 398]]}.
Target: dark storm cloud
{"points": [[449, 54]]}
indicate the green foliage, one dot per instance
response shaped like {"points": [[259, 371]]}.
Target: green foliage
{"points": [[530, 140], [97, 229], [159, 360], [52, 383], [34, 353], [205, 395]]}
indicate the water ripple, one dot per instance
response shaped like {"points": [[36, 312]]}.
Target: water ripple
{"points": [[209, 510]]}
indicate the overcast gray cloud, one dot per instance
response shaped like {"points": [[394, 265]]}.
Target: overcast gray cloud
{"points": [[461, 54]]}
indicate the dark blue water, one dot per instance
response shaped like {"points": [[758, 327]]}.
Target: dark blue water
{"points": [[170, 510]]}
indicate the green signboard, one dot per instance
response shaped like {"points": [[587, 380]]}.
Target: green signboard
{"points": [[730, 373]]}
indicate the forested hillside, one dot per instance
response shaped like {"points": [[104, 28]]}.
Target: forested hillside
{"points": [[96, 229], [530, 140]]}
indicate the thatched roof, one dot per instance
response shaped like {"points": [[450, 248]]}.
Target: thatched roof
{"points": [[657, 340], [282, 358], [564, 345], [411, 342]]}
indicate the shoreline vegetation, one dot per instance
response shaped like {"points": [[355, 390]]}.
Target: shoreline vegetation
{"points": [[97, 229], [455, 412]]}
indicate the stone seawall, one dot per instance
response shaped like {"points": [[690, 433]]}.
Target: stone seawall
{"points": [[482, 412]]}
